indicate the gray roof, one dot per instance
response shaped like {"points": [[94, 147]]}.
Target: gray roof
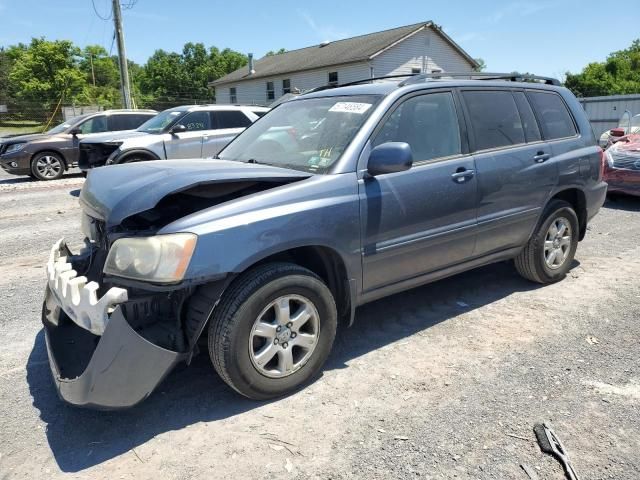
{"points": [[349, 50]]}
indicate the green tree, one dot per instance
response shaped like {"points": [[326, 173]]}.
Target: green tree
{"points": [[481, 65], [619, 74], [271, 53], [47, 71]]}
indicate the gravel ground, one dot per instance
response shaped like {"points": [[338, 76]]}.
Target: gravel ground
{"points": [[444, 381]]}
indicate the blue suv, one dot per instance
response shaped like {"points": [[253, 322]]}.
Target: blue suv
{"points": [[331, 200]]}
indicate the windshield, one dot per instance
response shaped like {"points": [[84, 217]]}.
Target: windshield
{"points": [[158, 123], [66, 124], [308, 135], [635, 124]]}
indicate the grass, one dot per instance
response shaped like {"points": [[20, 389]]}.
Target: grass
{"points": [[19, 127]]}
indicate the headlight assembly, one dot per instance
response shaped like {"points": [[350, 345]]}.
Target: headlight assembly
{"points": [[16, 147], [609, 158], [159, 259]]}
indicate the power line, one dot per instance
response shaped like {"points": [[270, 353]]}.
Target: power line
{"points": [[95, 9]]}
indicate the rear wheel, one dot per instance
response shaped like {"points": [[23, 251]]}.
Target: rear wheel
{"points": [[550, 251], [47, 166], [272, 330]]}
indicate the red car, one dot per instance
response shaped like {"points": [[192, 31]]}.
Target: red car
{"points": [[622, 166]]}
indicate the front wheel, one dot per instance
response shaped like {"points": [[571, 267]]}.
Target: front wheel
{"points": [[272, 330], [548, 255], [47, 166]]}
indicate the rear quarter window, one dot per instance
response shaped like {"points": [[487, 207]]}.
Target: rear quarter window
{"points": [[553, 115]]}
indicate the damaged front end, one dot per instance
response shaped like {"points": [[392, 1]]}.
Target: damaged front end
{"points": [[121, 313], [108, 347]]}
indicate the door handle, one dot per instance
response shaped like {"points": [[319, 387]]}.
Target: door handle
{"points": [[462, 175], [541, 157]]}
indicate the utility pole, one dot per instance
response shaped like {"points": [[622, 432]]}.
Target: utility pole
{"points": [[93, 73], [122, 55]]}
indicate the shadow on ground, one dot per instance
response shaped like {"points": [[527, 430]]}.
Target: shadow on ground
{"points": [[618, 201], [26, 179], [81, 438]]}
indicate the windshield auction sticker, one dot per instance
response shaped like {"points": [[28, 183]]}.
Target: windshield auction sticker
{"points": [[350, 107]]}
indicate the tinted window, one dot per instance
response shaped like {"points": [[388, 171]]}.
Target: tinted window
{"points": [[196, 121], [230, 119], [554, 117], [494, 119], [258, 113], [428, 123], [127, 122], [94, 125], [531, 130]]}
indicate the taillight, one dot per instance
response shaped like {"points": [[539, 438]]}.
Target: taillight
{"points": [[602, 163]]}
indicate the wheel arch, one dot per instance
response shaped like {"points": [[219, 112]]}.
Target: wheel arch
{"points": [[578, 200], [322, 260], [50, 150], [135, 151]]}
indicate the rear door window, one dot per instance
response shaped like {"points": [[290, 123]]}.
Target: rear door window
{"points": [[428, 123], [555, 119], [126, 121], [494, 118], [230, 119]]}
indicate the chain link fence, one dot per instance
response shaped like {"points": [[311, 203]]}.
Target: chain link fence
{"points": [[19, 118]]}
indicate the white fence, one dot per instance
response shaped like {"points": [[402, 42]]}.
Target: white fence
{"points": [[605, 112]]}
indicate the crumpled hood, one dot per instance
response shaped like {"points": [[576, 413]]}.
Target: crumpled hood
{"points": [[116, 192], [113, 136]]}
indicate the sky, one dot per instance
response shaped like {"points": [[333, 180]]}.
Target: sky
{"points": [[542, 37]]}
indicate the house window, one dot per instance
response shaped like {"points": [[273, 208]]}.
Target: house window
{"points": [[233, 97], [333, 78], [286, 86], [271, 93], [415, 70]]}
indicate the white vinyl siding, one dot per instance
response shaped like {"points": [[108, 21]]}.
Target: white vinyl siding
{"points": [[252, 92], [425, 50]]}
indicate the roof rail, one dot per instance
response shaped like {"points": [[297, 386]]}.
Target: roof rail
{"points": [[358, 82], [513, 77]]}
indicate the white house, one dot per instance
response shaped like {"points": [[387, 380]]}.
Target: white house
{"points": [[417, 48]]}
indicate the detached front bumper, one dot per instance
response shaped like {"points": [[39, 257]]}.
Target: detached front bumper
{"points": [[108, 368]]}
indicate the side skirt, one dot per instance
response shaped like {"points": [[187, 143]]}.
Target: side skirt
{"points": [[420, 280]]}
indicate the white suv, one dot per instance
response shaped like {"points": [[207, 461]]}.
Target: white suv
{"points": [[194, 131]]}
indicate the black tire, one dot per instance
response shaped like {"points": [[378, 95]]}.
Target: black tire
{"points": [[531, 263], [40, 171], [240, 306]]}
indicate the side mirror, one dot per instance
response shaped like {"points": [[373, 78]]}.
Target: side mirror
{"points": [[75, 131], [617, 132], [390, 157], [179, 128]]}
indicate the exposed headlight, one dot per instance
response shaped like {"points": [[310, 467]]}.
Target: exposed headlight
{"points": [[16, 147], [608, 157], [160, 259]]}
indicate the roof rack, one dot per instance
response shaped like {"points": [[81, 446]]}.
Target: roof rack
{"points": [[420, 77], [513, 77], [358, 82]]}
